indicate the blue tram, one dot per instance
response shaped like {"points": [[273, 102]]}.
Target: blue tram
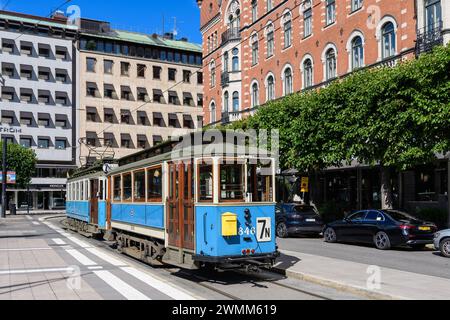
{"points": [[183, 206]]}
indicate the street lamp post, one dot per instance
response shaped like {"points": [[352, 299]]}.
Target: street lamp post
{"points": [[4, 177]]}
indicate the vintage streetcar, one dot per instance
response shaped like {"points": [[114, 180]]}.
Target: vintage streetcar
{"points": [[204, 204]]}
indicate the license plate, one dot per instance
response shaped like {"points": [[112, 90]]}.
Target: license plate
{"points": [[310, 220], [425, 228]]}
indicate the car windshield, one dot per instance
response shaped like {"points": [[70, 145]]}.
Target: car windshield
{"points": [[401, 216]]}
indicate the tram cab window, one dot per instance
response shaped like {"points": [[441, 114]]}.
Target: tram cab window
{"points": [[260, 182], [139, 186], [127, 187], [117, 188], [205, 181], [154, 185], [232, 181]]}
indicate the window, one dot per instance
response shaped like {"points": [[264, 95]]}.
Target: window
{"points": [[91, 116], [125, 142], [142, 119], [26, 96], [141, 68], [235, 101], [213, 74], [125, 94], [8, 94], [330, 11], [125, 69], [358, 216], [232, 181], [307, 19], [108, 66], [226, 58], [26, 49], [254, 10], [154, 185], [269, 5], [255, 49], [8, 70], [187, 76], [90, 64], [26, 121], [235, 63], [125, 117], [61, 98], [173, 120], [8, 46], [60, 144], [270, 88], [109, 117], [356, 4], [255, 95], [388, 40], [44, 97], [108, 92], [270, 40], [139, 186], [260, 181], [61, 76], [44, 122], [61, 54], [288, 88], [357, 53], [25, 142], [173, 98], [157, 73], [43, 143], [226, 101], [7, 119], [307, 73], [61, 123], [205, 181], [117, 188], [287, 25], [26, 72], [433, 15], [330, 64], [199, 77], [199, 100], [127, 187], [213, 113], [44, 52], [172, 74]]}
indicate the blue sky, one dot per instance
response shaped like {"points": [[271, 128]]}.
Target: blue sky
{"points": [[135, 15]]}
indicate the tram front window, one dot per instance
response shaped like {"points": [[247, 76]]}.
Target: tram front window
{"points": [[232, 182], [127, 187], [154, 193], [205, 171], [260, 182]]}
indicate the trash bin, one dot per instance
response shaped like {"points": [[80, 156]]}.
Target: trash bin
{"points": [[12, 209]]}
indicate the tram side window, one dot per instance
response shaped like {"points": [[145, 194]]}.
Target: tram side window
{"points": [[100, 190], [127, 187], [232, 182], [154, 192], [117, 188], [139, 186], [260, 182], [82, 191], [206, 182]]}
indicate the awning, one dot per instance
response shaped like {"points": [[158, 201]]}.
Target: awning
{"points": [[44, 116], [8, 113], [125, 88], [61, 117], [90, 134], [108, 86], [157, 139], [142, 90], [108, 135], [157, 92], [173, 94], [108, 111], [91, 85], [91, 109], [187, 95], [125, 136], [173, 116], [125, 112], [142, 137], [157, 115], [29, 115], [187, 117]]}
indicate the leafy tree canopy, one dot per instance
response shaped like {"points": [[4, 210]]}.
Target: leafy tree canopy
{"points": [[21, 160]]}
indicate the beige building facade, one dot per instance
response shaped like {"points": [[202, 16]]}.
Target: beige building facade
{"points": [[136, 90]]}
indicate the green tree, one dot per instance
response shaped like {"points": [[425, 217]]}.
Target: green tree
{"points": [[22, 161]]}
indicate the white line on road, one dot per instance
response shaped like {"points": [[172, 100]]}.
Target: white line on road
{"points": [[26, 249], [36, 223], [59, 242], [24, 271], [28, 217], [120, 286], [108, 258], [81, 258], [159, 285], [95, 268]]}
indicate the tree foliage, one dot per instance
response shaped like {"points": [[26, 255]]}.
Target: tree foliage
{"points": [[21, 160]]}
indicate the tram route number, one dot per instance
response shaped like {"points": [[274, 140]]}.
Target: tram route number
{"points": [[263, 230]]}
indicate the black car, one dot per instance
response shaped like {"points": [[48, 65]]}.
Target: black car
{"points": [[384, 228], [296, 219]]}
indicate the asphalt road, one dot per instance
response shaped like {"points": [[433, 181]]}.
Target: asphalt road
{"points": [[427, 261]]}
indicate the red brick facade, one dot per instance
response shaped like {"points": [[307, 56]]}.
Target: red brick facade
{"points": [[366, 22]]}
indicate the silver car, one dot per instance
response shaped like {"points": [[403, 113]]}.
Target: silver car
{"points": [[442, 242]]}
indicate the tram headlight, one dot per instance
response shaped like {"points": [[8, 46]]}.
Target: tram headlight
{"points": [[248, 215]]}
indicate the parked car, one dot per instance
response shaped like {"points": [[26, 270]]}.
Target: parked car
{"points": [[297, 219], [58, 204], [383, 228], [442, 242]]}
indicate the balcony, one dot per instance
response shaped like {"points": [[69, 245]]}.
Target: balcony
{"points": [[429, 37], [231, 35], [228, 117], [225, 79]]}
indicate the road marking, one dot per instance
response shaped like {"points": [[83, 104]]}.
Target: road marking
{"points": [[80, 243], [120, 286], [17, 232], [159, 285], [81, 258], [59, 242], [26, 249], [36, 223], [28, 217], [95, 268], [24, 271], [108, 258]]}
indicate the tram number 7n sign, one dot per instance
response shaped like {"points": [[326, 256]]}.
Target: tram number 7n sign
{"points": [[264, 229]]}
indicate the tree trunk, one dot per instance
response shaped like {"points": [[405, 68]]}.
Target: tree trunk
{"points": [[386, 189]]}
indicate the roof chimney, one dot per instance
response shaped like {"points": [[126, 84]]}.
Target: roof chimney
{"points": [[59, 16]]}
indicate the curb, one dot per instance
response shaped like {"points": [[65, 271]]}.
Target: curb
{"points": [[337, 285]]}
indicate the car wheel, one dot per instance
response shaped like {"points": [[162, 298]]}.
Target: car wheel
{"points": [[445, 248], [382, 241], [330, 235], [282, 231]]}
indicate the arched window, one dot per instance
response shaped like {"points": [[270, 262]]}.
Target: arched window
{"points": [[288, 88], [234, 16], [255, 95], [307, 18], [255, 49], [287, 27], [212, 68], [433, 13], [307, 73], [270, 88], [330, 64], [388, 40], [235, 101], [270, 40], [235, 60], [357, 53], [226, 101], [213, 112]]}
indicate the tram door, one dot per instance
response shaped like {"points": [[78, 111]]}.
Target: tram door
{"points": [[180, 205], [94, 201]]}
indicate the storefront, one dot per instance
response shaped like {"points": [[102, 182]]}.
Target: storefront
{"points": [[39, 197]]}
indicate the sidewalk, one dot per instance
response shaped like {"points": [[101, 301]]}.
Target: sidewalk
{"points": [[353, 277]]}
